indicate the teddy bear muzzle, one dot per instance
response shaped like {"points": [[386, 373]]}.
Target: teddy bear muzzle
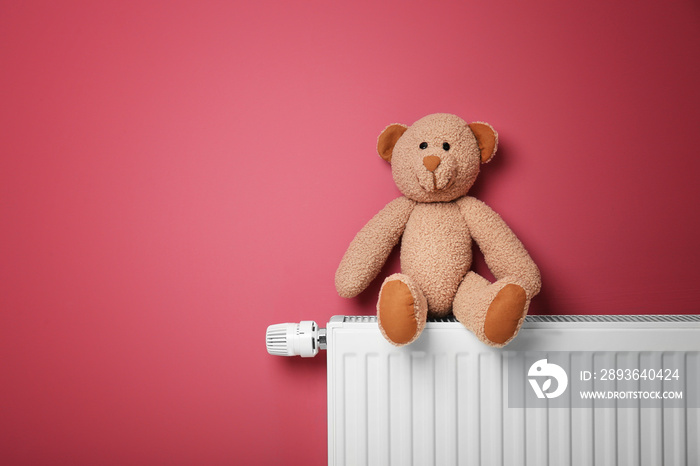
{"points": [[435, 174]]}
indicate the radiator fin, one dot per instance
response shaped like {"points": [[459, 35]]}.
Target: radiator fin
{"points": [[560, 318]]}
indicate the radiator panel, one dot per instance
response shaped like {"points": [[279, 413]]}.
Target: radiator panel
{"points": [[443, 399]]}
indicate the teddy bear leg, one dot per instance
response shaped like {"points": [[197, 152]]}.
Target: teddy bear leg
{"points": [[402, 310], [494, 312]]}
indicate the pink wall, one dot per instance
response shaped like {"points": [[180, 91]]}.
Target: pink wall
{"points": [[176, 176]]}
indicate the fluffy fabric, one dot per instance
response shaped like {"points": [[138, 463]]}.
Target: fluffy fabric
{"points": [[436, 253], [434, 163], [371, 247]]}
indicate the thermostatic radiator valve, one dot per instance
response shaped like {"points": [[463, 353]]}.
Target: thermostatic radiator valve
{"points": [[303, 339]]}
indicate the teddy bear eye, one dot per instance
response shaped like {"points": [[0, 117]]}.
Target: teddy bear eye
{"points": [[423, 145], [445, 146]]}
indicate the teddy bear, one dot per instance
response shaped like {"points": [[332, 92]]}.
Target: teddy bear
{"points": [[434, 162]]}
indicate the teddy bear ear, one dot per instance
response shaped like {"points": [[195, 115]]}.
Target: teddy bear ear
{"points": [[487, 137], [387, 140]]}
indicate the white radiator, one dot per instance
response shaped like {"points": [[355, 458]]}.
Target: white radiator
{"points": [[444, 400]]}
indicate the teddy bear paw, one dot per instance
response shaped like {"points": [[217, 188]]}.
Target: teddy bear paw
{"points": [[401, 311], [505, 314]]}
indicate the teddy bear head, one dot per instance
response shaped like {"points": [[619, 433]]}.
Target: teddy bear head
{"points": [[437, 158]]}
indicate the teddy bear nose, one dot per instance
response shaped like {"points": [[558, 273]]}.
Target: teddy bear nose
{"points": [[431, 162]]}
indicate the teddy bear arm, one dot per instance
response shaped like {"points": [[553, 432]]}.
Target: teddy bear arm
{"points": [[503, 252], [371, 247]]}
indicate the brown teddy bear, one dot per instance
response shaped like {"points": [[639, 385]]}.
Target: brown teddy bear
{"points": [[434, 162]]}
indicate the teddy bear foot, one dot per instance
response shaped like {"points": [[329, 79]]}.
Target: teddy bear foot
{"points": [[505, 314], [401, 310]]}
